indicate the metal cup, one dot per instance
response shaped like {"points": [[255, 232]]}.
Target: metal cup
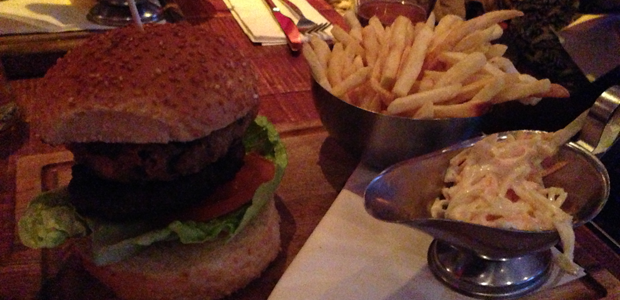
{"points": [[388, 10], [382, 140]]}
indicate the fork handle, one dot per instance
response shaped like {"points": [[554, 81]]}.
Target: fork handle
{"points": [[294, 8]]}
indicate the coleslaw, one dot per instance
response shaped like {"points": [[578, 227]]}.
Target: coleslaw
{"points": [[499, 183]]}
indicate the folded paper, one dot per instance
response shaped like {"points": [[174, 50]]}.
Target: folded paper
{"points": [[255, 19], [593, 42]]}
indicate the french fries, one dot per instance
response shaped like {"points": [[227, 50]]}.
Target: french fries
{"points": [[446, 69]]}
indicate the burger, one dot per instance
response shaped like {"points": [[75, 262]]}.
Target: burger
{"points": [[171, 195]]}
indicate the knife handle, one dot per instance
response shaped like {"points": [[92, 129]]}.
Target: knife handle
{"points": [[288, 27]]}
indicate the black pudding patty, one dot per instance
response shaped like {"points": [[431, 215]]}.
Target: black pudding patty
{"points": [[118, 201]]}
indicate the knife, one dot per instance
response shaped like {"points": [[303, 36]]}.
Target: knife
{"points": [[293, 37]]}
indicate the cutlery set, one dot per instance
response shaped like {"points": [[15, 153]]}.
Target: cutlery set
{"points": [[304, 24], [294, 31]]}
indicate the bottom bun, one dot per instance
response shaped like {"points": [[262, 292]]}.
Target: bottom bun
{"points": [[195, 271]]}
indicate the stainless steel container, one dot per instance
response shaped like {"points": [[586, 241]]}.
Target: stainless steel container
{"points": [[382, 140]]}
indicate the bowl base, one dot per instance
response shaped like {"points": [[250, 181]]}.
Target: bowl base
{"points": [[473, 275], [104, 13]]}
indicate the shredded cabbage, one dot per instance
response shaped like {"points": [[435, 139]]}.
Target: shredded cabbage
{"points": [[499, 183]]}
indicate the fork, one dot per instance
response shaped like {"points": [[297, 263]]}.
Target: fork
{"points": [[304, 24]]}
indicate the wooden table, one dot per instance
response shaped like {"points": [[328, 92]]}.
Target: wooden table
{"points": [[316, 173]]}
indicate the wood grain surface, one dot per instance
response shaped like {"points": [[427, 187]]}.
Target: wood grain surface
{"points": [[317, 171]]}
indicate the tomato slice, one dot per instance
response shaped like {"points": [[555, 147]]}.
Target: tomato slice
{"points": [[231, 196]]}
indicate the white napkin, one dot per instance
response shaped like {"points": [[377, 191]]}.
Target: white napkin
{"points": [[351, 255], [593, 42], [256, 20], [45, 16]]}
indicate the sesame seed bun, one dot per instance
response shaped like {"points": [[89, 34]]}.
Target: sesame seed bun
{"points": [[172, 82], [156, 119]]}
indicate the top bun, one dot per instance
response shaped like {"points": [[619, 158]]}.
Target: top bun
{"points": [[172, 82]]}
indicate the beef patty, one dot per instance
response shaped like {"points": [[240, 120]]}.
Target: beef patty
{"points": [[94, 196], [125, 162], [143, 181]]}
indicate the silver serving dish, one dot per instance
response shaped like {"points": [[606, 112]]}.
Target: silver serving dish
{"points": [[484, 261], [480, 260], [382, 140]]}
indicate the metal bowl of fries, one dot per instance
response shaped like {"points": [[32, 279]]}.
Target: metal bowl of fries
{"points": [[389, 93], [381, 140]]}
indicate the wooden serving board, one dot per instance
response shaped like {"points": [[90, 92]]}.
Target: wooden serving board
{"points": [[302, 200], [318, 169]]}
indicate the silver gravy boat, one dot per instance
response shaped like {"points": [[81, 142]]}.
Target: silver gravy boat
{"points": [[490, 262]]}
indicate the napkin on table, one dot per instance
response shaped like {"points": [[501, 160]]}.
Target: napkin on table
{"points": [[256, 20], [45, 16], [593, 42], [351, 255]]}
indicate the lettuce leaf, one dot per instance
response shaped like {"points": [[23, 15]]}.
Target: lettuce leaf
{"points": [[50, 219], [263, 130]]}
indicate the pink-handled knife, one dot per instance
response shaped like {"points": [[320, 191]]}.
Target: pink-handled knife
{"points": [[293, 37]]}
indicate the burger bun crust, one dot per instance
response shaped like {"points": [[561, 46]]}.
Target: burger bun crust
{"points": [[172, 82], [194, 271]]}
